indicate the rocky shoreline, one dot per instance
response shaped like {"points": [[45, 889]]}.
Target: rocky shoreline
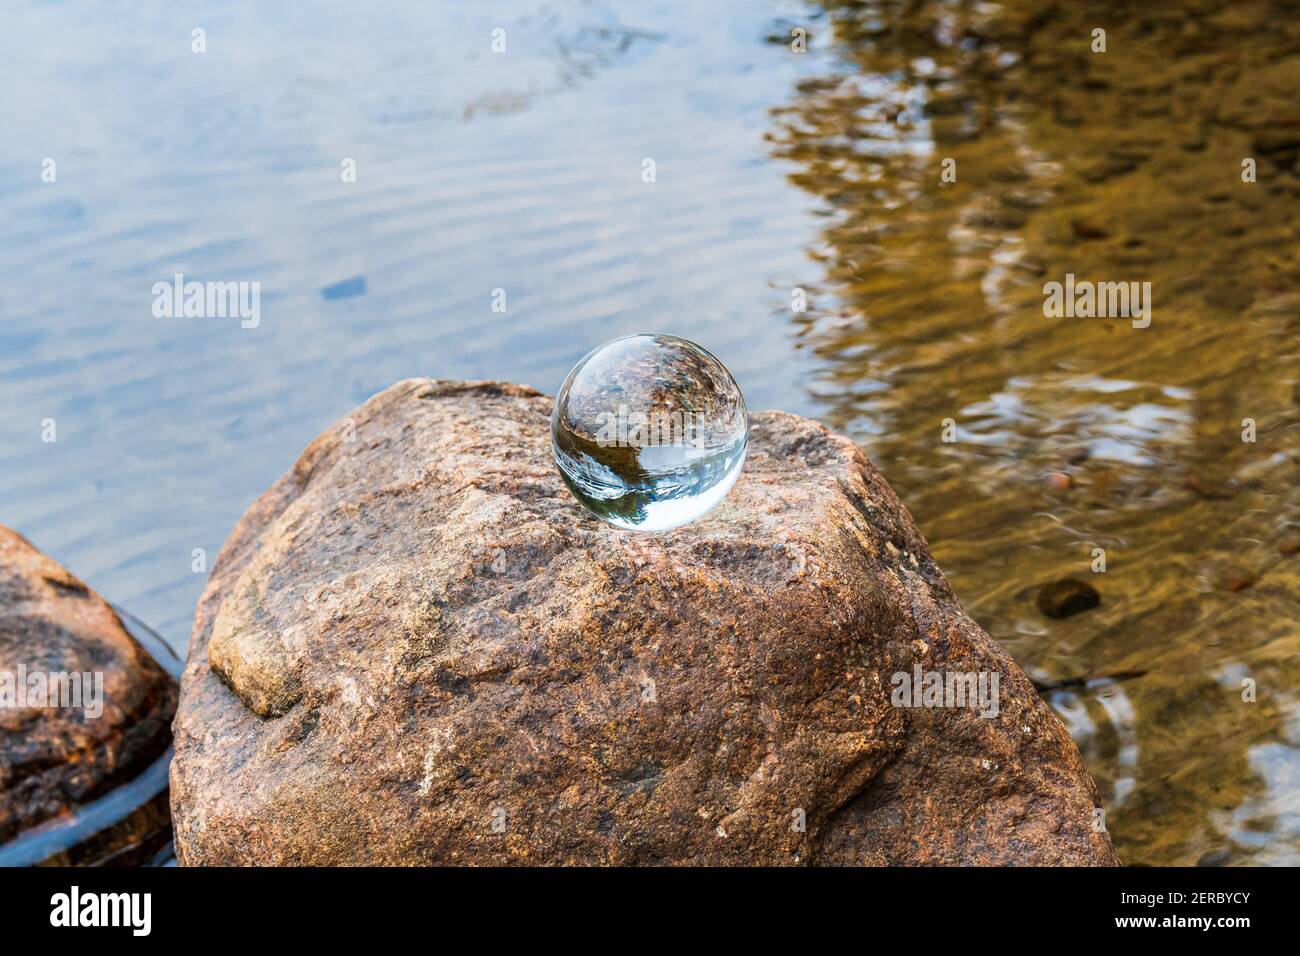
{"points": [[417, 649]]}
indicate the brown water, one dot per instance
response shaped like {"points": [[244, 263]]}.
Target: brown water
{"points": [[1082, 433], [775, 170]]}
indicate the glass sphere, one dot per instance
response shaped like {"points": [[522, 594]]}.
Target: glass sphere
{"points": [[649, 431]]}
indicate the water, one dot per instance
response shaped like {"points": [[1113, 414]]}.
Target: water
{"points": [[475, 171], [649, 431], [775, 171]]}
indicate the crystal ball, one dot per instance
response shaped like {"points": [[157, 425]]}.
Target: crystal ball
{"points": [[649, 431]]}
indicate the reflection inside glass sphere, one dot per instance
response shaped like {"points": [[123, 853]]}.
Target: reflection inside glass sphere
{"points": [[649, 431]]}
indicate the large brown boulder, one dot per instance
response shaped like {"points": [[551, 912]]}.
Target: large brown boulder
{"points": [[416, 648], [57, 750]]}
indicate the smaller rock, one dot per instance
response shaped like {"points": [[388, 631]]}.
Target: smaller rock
{"points": [[1086, 230], [1212, 489], [1108, 167], [1219, 857], [1289, 545], [1235, 579], [60, 752], [1067, 597], [1060, 480]]}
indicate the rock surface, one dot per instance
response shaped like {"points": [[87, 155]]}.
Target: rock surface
{"points": [[53, 758], [416, 648]]}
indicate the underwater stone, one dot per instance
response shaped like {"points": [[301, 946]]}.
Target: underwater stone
{"points": [[1067, 597]]}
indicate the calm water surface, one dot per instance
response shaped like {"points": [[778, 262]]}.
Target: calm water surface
{"points": [[774, 170]]}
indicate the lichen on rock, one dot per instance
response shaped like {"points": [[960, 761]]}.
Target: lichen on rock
{"points": [[416, 648]]}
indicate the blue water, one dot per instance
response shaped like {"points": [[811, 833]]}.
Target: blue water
{"points": [[475, 171]]}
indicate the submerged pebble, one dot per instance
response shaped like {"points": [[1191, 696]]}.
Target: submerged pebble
{"points": [[1235, 579], [1212, 489], [1067, 597], [1219, 857]]}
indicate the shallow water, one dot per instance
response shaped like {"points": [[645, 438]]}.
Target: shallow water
{"points": [[773, 171]]}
